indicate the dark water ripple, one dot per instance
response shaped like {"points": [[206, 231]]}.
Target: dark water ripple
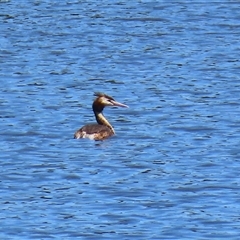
{"points": [[171, 172]]}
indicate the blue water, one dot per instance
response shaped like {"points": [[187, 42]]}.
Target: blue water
{"points": [[171, 171]]}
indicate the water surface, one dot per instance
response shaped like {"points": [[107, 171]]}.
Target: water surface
{"points": [[171, 172]]}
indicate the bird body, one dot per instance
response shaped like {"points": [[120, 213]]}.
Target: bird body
{"points": [[94, 132], [103, 129]]}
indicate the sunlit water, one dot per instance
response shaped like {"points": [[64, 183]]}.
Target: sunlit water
{"points": [[172, 170]]}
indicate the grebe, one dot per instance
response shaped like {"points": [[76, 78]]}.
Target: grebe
{"points": [[103, 129]]}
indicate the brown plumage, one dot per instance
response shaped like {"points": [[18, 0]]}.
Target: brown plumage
{"points": [[103, 129]]}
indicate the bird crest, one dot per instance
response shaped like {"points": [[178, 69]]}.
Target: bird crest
{"points": [[99, 94]]}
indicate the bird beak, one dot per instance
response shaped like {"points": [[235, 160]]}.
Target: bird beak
{"points": [[118, 104]]}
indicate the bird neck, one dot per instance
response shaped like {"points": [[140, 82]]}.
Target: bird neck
{"points": [[102, 120]]}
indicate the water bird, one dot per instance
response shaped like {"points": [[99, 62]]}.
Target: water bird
{"points": [[103, 129]]}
